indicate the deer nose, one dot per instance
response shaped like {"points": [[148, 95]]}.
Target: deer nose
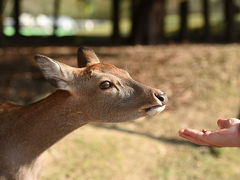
{"points": [[162, 97]]}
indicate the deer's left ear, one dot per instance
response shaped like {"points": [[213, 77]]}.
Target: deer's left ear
{"points": [[58, 74], [86, 57]]}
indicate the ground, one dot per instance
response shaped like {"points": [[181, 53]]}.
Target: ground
{"points": [[202, 82]]}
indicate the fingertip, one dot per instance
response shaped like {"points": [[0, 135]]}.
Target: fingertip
{"points": [[193, 132], [227, 123], [187, 130], [184, 131], [181, 131], [222, 119], [219, 122], [223, 123]]}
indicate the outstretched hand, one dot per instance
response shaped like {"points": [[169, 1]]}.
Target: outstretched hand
{"points": [[227, 136]]}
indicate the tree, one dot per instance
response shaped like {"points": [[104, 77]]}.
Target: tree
{"points": [[229, 19], [147, 21], [16, 16], [115, 20], [1, 19], [56, 14], [183, 19], [206, 19]]}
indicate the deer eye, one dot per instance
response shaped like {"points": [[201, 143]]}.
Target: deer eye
{"points": [[105, 85]]}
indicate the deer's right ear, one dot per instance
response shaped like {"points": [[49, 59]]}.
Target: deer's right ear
{"points": [[58, 74], [86, 57]]}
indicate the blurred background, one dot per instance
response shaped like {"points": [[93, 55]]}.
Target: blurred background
{"points": [[119, 21], [187, 48]]}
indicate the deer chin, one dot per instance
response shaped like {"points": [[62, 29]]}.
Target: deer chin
{"points": [[154, 110]]}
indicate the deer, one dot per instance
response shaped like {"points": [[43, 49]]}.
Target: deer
{"points": [[92, 92]]}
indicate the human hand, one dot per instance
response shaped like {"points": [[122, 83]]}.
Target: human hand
{"points": [[227, 136]]}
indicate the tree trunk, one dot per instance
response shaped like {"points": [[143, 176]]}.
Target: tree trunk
{"points": [[135, 21], [1, 22], [115, 20], [206, 20], [147, 21], [183, 19], [229, 19], [156, 22], [1, 17], [55, 15], [16, 16]]}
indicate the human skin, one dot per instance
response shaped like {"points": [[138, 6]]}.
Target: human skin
{"points": [[227, 136]]}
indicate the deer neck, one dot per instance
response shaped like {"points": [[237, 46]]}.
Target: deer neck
{"points": [[40, 125]]}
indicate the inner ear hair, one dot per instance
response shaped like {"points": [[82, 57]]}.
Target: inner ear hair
{"points": [[58, 74]]}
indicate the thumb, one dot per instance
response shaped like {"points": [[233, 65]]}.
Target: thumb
{"points": [[227, 123]]}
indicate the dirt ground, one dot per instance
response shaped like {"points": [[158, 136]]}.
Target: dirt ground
{"points": [[201, 81]]}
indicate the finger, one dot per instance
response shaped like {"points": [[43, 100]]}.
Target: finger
{"points": [[227, 123], [193, 136], [222, 123], [191, 132], [198, 137], [193, 140]]}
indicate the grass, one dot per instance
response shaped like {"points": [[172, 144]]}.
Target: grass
{"points": [[202, 82]]}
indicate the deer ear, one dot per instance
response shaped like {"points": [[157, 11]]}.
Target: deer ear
{"points": [[86, 57], [58, 74]]}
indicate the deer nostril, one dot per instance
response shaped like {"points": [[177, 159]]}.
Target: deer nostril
{"points": [[162, 97]]}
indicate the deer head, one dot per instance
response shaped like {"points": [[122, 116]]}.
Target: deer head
{"points": [[102, 91]]}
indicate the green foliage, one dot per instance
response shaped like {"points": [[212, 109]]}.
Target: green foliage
{"points": [[77, 9], [36, 7]]}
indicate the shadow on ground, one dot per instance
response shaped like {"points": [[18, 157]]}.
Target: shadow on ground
{"points": [[213, 151]]}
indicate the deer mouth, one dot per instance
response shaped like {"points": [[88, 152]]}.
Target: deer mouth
{"points": [[153, 110]]}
